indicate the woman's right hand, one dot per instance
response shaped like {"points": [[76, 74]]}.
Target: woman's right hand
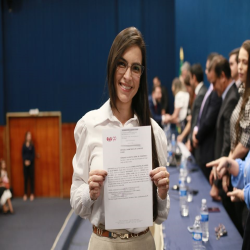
{"points": [[95, 181], [221, 166]]}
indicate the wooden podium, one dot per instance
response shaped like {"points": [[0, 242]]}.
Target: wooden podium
{"points": [[45, 128]]}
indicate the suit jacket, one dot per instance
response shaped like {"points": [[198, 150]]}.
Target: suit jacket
{"points": [[196, 108], [207, 128], [155, 114], [222, 143]]}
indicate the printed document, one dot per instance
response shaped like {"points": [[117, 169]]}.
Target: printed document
{"points": [[127, 157]]}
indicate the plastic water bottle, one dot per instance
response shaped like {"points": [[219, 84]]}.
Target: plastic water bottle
{"points": [[167, 131], [173, 144], [204, 220], [183, 195], [197, 234], [184, 167]]}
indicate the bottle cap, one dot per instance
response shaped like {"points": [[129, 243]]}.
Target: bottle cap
{"points": [[203, 201], [198, 217]]}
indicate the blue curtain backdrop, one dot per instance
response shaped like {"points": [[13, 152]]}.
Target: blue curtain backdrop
{"points": [[202, 27], [53, 53]]}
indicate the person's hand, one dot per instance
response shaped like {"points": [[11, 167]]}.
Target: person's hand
{"points": [[189, 117], [236, 195], [166, 118], [188, 145], [195, 141], [212, 176], [225, 182], [179, 138], [214, 193], [221, 165], [26, 163], [95, 181], [160, 177]]}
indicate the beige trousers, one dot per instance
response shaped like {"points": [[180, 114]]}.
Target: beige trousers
{"points": [[143, 242]]}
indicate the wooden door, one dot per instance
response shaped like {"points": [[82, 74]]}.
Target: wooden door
{"points": [[46, 138]]}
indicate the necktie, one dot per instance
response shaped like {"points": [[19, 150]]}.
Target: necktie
{"points": [[209, 91]]}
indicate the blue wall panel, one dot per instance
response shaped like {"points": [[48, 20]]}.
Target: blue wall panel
{"points": [[202, 27], [55, 52]]}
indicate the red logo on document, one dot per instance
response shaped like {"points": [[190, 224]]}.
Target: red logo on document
{"points": [[111, 138]]}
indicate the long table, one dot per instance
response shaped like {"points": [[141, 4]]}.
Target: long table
{"points": [[176, 235]]}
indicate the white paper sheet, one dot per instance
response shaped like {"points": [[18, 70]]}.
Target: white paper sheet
{"points": [[127, 157]]}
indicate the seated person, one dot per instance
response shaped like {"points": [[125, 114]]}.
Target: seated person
{"points": [[155, 105], [5, 196], [4, 174]]}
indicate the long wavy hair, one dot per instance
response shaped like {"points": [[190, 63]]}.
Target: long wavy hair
{"points": [[246, 46], [125, 39]]}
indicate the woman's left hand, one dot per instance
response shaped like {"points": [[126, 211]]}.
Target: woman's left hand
{"points": [[160, 177], [236, 195]]}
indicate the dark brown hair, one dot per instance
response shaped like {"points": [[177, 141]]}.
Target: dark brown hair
{"points": [[25, 138], [220, 64], [196, 70], [125, 39], [235, 52], [246, 46]]}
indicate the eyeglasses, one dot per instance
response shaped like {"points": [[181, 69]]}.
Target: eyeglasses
{"points": [[136, 69]]}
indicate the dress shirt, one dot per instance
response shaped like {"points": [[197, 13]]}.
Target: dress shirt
{"points": [[209, 91], [181, 101], [89, 156], [238, 83], [198, 87], [226, 90], [242, 180]]}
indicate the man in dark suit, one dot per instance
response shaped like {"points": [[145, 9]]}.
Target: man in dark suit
{"points": [[196, 81], [227, 89], [203, 137], [155, 105]]}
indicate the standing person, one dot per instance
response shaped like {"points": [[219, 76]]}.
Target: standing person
{"points": [[196, 81], [127, 107], [28, 154], [225, 87], [181, 101], [240, 176], [190, 90], [233, 61], [203, 137], [240, 123]]}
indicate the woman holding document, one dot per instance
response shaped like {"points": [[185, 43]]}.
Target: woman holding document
{"points": [[127, 107]]}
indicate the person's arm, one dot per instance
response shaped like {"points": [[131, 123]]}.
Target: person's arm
{"points": [[226, 130], [162, 193], [174, 118], [239, 152], [224, 165], [185, 132], [209, 118], [79, 194]]}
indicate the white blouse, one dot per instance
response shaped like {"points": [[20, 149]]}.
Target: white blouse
{"points": [[181, 100], [89, 156]]}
